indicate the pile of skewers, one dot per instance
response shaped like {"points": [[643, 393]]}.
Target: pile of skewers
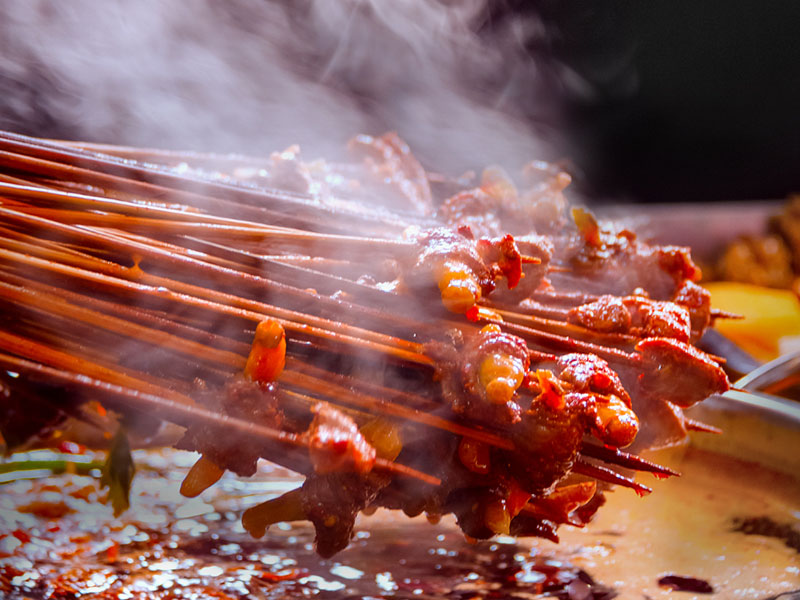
{"points": [[404, 339]]}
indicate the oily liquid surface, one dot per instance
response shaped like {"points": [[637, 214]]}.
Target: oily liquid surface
{"points": [[168, 547], [687, 527]]}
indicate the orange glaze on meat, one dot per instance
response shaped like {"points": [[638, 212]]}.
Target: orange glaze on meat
{"points": [[268, 353]]}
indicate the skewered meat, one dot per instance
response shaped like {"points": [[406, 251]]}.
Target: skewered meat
{"points": [[616, 262], [450, 259], [697, 300], [497, 207], [480, 380], [336, 445], [474, 209], [407, 407], [678, 372], [467, 270], [239, 398], [390, 161], [635, 315]]}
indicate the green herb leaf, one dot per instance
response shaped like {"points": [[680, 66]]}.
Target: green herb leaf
{"points": [[118, 472]]}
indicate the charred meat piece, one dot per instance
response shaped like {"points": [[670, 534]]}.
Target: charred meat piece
{"points": [[467, 270], [592, 384], [655, 318], [497, 207], [530, 273], [451, 260], [331, 502], [238, 398], [679, 372], [610, 261], [475, 209], [634, 315], [336, 444], [608, 314], [480, 380], [547, 440], [697, 300], [590, 373]]}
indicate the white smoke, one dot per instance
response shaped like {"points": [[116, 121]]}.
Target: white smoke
{"points": [[254, 77]]}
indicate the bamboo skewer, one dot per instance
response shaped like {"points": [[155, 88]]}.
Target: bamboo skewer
{"points": [[290, 240], [149, 179], [228, 309], [609, 476], [565, 328], [61, 360], [48, 303], [625, 459], [311, 324], [189, 414], [43, 302], [182, 248]]}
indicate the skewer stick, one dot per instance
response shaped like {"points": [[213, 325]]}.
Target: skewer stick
{"points": [[184, 414], [47, 303], [604, 474], [68, 362], [165, 156], [552, 340], [370, 387], [328, 388], [410, 350], [40, 157], [269, 239], [229, 308], [158, 319], [625, 459], [565, 328]]}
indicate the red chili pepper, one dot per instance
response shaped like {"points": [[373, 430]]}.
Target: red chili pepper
{"points": [[21, 536], [268, 353], [68, 447], [112, 552]]}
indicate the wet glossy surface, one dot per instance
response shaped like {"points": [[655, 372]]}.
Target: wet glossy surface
{"points": [[59, 542], [170, 547]]}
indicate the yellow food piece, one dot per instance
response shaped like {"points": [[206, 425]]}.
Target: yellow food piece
{"points": [[616, 424], [286, 508], [203, 474], [459, 287], [497, 518], [769, 315], [384, 436], [501, 375]]}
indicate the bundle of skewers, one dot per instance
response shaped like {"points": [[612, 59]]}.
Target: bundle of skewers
{"points": [[404, 339]]}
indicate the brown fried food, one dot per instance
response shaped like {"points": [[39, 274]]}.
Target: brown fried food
{"points": [[678, 372]]}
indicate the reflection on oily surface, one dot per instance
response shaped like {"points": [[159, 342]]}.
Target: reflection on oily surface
{"points": [[62, 543], [731, 533], [729, 522]]}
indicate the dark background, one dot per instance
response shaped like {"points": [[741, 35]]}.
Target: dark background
{"points": [[681, 100]]}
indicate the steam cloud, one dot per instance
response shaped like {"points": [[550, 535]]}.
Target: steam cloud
{"points": [[254, 77]]}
